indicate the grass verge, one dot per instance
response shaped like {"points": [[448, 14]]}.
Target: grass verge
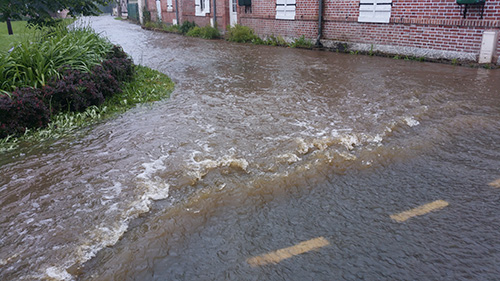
{"points": [[20, 32], [148, 86]]}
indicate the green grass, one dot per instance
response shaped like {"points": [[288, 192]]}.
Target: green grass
{"points": [[148, 86], [20, 30]]}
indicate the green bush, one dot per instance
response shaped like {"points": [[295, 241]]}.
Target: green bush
{"points": [[258, 41], [301, 42], [34, 62], [186, 26], [241, 34], [171, 28], [146, 15], [150, 24], [206, 32], [276, 41], [194, 32]]}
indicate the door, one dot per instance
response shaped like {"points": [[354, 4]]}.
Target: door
{"points": [[233, 12], [158, 9]]}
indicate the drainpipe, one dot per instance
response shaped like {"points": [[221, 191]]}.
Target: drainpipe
{"points": [[320, 24], [140, 7], [177, 12], [215, 13], [9, 27]]}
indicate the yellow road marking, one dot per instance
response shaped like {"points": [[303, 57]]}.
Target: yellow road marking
{"points": [[285, 253], [422, 210], [495, 183]]}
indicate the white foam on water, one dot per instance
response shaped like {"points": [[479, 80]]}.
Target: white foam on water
{"points": [[303, 146], [349, 141], [410, 121], [107, 234], [58, 273], [152, 167], [198, 168], [290, 158]]}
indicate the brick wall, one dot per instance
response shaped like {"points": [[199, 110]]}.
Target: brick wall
{"points": [[427, 24], [436, 25]]}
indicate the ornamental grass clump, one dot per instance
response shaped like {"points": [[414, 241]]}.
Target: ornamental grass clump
{"points": [[37, 60]]}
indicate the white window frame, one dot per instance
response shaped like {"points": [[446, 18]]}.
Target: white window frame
{"points": [[170, 6], [285, 9], [378, 11], [202, 7]]}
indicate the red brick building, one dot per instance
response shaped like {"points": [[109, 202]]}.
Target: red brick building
{"points": [[421, 28]]}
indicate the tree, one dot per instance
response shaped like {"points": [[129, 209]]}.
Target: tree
{"points": [[40, 11], [119, 8]]}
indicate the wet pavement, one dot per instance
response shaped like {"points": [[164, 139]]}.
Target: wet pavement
{"points": [[267, 163]]}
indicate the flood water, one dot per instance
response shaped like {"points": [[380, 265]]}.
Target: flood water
{"points": [[258, 149]]}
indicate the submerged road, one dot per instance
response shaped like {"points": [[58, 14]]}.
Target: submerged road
{"points": [[267, 163]]}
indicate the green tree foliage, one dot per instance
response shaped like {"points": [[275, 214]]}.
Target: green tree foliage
{"points": [[40, 12]]}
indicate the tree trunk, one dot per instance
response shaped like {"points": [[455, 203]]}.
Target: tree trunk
{"points": [[9, 26], [119, 8]]}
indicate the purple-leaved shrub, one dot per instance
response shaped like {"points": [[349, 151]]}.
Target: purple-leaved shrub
{"points": [[22, 109], [75, 91]]}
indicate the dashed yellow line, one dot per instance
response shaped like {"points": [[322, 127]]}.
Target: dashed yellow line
{"points": [[285, 253], [422, 210], [495, 183]]}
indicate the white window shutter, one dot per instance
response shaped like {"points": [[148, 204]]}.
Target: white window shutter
{"points": [[290, 9], [285, 9], [280, 8], [207, 6], [197, 7], [375, 11]]}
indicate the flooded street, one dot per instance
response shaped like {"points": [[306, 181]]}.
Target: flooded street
{"points": [[259, 149]]}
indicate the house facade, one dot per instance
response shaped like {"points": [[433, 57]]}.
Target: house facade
{"points": [[199, 11], [438, 29]]}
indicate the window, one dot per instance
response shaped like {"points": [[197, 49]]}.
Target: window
{"points": [[233, 6], [170, 8], [202, 7], [375, 11], [285, 9]]}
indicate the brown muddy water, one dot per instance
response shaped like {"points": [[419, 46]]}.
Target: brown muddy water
{"points": [[259, 149]]}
